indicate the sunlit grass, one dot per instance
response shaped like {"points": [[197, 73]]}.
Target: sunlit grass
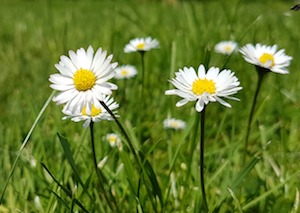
{"points": [[34, 34]]}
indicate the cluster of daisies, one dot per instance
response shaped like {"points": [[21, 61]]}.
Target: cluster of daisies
{"points": [[215, 84], [82, 81], [85, 91]]}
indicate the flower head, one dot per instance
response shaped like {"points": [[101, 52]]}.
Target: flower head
{"points": [[172, 123], [141, 45], [93, 113], [82, 78], [125, 71], [204, 87], [226, 47], [114, 140], [267, 57]]}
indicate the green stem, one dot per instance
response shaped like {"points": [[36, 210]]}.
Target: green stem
{"points": [[98, 172], [141, 100], [261, 73], [202, 137], [192, 148], [143, 70], [132, 149]]}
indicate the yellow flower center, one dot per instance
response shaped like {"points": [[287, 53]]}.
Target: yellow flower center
{"points": [[94, 111], [140, 46], [228, 48], [84, 79], [201, 86], [267, 60], [112, 139], [174, 124], [124, 72]]}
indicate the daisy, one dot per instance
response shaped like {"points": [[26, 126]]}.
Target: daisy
{"points": [[204, 87], [226, 47], [114, 140], [82, 78], [141, 45], [93, 114], [172, 123], [125, 71], [267, 57]]}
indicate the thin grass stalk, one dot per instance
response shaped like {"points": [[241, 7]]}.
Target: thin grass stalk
{"points": [[65, 189], [261, 73], [131, 147], [98, 172], [202, 140], [24, 143]]}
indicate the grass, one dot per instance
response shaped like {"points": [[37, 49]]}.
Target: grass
{"points": [[33, 35]]}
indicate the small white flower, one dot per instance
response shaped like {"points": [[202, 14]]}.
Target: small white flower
{"points": [[93, 113], [172, 123], [125, 71], [82, 78], [141, 45], [226, 47], [204, 87], [267, 57], [114, 140]]}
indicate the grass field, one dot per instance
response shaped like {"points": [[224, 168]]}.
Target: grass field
{"points": [[34, 34]]}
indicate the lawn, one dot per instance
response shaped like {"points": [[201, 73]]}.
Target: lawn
{"points": [[55, 170]]}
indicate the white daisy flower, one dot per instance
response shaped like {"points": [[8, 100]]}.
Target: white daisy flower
{"points": [[267, 57], [226, 47], [204, 87], [141, 45], [94, 113], [114, 140], [172, 123], [82, 78], [125, 71]]}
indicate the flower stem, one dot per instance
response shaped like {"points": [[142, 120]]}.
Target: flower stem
{"points": [[142, 95], [202, 137], [131, 147], [261, 73], [100, 176]]}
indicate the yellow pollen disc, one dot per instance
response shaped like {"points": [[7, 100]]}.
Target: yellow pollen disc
{"points": [[228, 48], [174, 124], [267, 59], [84, 79], [140, 46], [124, 72], [94, 112], [112, 139], [201, 86]]}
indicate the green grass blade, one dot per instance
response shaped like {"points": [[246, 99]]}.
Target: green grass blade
{"points": [[266, 194], [66, 190], [69, 155], [235, 199], [245, 172], [152, 177], [61, 200], [24, 143]]}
